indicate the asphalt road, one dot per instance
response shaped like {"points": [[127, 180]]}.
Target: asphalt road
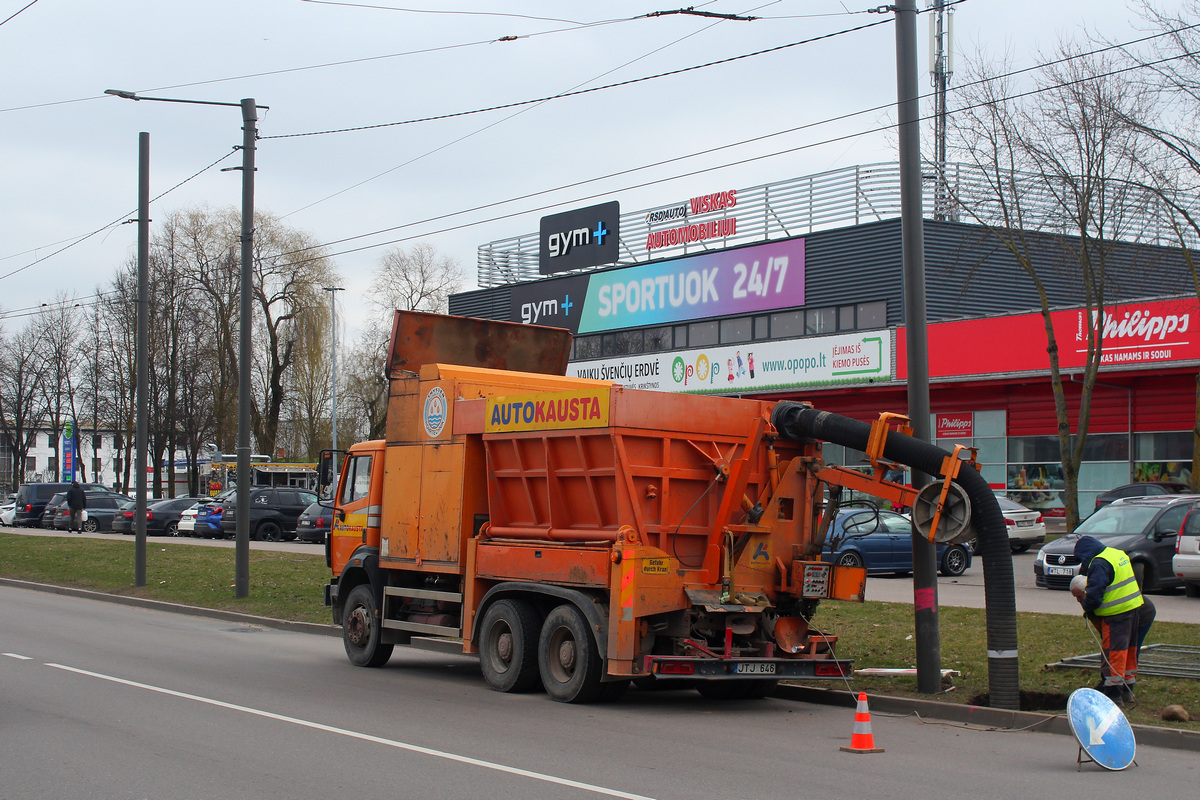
{"points": [[102, 700]]}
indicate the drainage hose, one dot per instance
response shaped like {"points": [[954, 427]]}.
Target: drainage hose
{"points": [[800, 421]]}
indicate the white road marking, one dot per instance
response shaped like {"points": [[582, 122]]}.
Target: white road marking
{"points": [[587, 787], [17, 655]]}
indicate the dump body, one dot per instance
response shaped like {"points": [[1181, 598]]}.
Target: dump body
{"points": [[582, 532]]}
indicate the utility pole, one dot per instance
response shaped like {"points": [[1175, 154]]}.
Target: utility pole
{"points": [[143, 354], [242, 545], [912, 236], [941, 67]]}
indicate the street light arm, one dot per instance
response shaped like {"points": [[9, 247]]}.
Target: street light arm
{"points": [[127, 95]]}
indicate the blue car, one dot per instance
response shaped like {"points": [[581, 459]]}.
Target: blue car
{"points": [[208, 517], [881, 541]]}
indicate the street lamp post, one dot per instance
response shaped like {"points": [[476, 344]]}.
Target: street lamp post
{"points": [[333, 290], [249, 136]]}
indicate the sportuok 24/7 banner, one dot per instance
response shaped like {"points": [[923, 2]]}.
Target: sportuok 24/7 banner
{"points": [[1156, 332]]}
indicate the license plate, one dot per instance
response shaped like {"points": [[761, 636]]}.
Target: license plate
{"points": [[1024, 523], [755, 668], [1060, 570]]}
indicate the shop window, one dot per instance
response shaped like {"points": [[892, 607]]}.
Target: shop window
{"points": [[622, 343], [1107, 447], [587, 347], [787, 325], [1170, 446], [820, 320], [990, 423], [872, 315], [657, 339], [703, 334], [845, 315], [991, 451], [1033, 448], [762, 328], [1097, 477], [735, 330], [681, 339]]}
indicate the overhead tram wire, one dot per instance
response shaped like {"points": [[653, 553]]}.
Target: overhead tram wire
{"points": [[825, 121], [575, 93], [752, 159], [330, 64], [122, 220], [528, 106]]}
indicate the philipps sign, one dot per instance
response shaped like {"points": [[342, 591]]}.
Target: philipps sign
{"points": [[960, 425]]}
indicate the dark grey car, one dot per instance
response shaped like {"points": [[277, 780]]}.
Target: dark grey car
{"points": [[1144, 527]]}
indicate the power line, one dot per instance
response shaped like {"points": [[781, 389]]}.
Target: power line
{"points": [[10, 16], [120, 221], [563, 95]]}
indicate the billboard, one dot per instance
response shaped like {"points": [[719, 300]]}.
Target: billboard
{"points": [[745, 280], [1154, 332], [763, 366], [585, 237]]}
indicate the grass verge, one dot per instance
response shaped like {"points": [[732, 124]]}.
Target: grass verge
{"points": [[874, 634], [282, 585]]}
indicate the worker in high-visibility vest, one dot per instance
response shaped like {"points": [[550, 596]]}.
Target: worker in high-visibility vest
{"points": [[1111, 601]]}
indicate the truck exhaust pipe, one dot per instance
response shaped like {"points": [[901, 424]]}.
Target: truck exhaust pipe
{"points": [[799, 421]]}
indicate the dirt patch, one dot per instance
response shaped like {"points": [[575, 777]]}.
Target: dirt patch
{"points": [[1029, 701]]}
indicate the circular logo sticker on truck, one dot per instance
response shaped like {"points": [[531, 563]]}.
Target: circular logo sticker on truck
{"points": [[435, 412]]}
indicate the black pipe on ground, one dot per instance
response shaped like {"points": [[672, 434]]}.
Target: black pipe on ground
{"points": [[800, 421]]}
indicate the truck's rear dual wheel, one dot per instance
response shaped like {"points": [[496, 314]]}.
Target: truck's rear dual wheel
{"points": [[361, 630], [508, 646], [568, 658]]}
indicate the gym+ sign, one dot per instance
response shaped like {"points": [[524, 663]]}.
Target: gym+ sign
{"points": [[585, 237]]}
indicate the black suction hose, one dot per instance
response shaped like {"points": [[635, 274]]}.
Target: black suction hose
{"points": [[800, 421]]}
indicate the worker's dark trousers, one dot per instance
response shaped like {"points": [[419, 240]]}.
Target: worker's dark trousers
{"points": [[1119, 645]]}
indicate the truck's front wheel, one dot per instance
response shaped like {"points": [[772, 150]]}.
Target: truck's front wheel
{"points": [[567, 657], [508, 647], [361, 631]]}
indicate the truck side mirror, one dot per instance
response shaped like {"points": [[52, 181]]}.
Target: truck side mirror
{"points": [[326, 474]]}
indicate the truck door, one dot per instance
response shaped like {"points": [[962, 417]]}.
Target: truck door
{"points": [[349, 529]]}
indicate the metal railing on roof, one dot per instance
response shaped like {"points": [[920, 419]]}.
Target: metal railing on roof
{"points": [[842, 198]]}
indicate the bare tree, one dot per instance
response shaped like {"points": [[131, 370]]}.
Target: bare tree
{"points": [[21, 412], [1059, 161], [417, 280]]}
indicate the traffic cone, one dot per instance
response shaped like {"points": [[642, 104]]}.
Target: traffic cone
{"points": [[862, 740]]}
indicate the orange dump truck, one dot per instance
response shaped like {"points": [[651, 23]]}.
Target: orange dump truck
{"points": [[576, 534]]}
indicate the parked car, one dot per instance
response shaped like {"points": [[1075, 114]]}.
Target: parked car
{"points": [[7, 512], [102, 508], [314, 523], [1186, 561], [32, 498], [1144, 527], [162, 516], [881, 541], [1025, 527], [1144, 489], [187, 519], [50, 512], [123, 520], [274, 511], [208, 517]]}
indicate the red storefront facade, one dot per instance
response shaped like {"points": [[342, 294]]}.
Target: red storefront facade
{"points": [[990, 387]]}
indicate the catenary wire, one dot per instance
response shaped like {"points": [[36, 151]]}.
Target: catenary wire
{"points": [[790, 150]]}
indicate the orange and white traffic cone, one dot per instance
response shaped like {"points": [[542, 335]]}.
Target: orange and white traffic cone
{"points": [[862, 740]]}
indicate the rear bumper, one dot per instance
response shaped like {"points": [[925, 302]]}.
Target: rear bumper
{"points": [[1186, 567], [670, 667]]}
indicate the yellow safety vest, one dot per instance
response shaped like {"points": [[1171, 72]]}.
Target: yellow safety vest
{"points": [[1123, 593]]}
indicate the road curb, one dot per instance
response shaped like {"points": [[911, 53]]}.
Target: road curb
{"points": [[982, 716], [885, 704], [177, 608]]}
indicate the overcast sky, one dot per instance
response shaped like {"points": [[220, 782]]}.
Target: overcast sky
{"points": [[68, 153]]}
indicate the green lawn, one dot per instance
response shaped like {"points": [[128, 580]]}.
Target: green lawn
{"points": [[289, 586]]}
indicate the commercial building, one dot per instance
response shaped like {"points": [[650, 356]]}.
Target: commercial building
{"points": [[795, 290]]}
